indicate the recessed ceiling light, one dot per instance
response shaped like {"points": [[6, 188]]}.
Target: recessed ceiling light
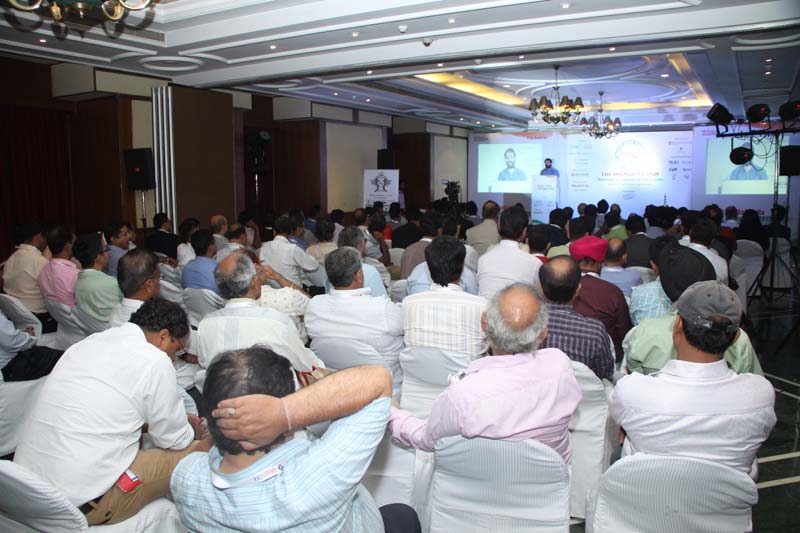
{"points": [[477, 122], [768, 73], [612, 49], [335, 94], [769, 60], [665, 75], [272, 47], [507, 86], [684, 97], [368, 100], [462, 118], [521, 57], [493, 125], [369, 72], [42, 40], [354, 34], [566, 5], [451, 21], [439, 64]]}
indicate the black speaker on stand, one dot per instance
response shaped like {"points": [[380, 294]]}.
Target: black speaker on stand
{"points": [[140, 170]]}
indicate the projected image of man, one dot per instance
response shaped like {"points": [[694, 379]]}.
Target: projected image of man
{"points": [[511, 173], [748, 171], [549, 169]]}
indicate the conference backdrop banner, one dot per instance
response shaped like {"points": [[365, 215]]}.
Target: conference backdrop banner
{"points": [[544, 196], [381, 186]]}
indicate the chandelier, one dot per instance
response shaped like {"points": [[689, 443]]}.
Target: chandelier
{"points": [[566, 110], [599, 126], [112, 9]]}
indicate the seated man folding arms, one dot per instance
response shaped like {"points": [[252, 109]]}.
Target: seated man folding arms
{"points": [[518, 393], [254, 480], [82, 433]]}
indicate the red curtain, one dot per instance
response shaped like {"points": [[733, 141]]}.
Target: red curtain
{"points": [[34, 169]]}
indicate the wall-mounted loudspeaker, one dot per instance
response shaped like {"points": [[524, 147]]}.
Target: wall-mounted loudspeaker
{"points": [[140, 169], [790, 161]]}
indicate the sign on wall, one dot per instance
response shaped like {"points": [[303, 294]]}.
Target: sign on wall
{"points": [[381, 186]]}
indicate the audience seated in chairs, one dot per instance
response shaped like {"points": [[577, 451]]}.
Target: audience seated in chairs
{"points": [[82, 433], [250, 391], [20, 358], [445, 316], [96, 293], [57, 278], [648, 347], [353, 237], [118, 236], [219, 227], [414, 254], [237, 240], [21, 272], [290, 260], [485, 234], [186, 230], [637, 243], [613, 270], [539, 240], [697, 406], [162, 240], [138, 276], [410, 232], [519, 392], [649, 299], [199, 272], [324, 232]]}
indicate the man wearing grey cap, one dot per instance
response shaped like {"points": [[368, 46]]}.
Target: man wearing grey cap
{"points": [[696, 406], [648, 346]]}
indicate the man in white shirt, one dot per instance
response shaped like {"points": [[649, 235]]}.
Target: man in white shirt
{"points": [[353, 237], [20, 358], [485, 234], [506, 263], [237, 238], [701, 232], [82, 433], [445, 316], [697, 406], [351, 316], [219, 227], [292, 262], [243, 322]]}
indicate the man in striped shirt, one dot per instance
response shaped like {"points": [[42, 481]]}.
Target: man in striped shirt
{"points": [[584, 340]]}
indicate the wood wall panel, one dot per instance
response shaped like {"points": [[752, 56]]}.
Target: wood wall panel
{"points": [[413, 153], [28, 84], [100, 133], [205, 182], [297, 164]]}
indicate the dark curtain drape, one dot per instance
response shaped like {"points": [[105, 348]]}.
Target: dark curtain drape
{"points": [[34, 169]]}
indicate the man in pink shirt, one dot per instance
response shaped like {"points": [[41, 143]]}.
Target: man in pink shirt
{"points": [[57, 278], [517, 393]]}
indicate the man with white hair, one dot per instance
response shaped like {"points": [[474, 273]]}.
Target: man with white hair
{"points": [[243, 322], [520, 392]]}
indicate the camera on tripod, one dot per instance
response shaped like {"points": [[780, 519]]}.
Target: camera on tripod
{"points": [[452, 189]]}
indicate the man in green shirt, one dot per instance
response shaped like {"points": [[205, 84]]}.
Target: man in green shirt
{"points": [[614, 227], [96, 293]]}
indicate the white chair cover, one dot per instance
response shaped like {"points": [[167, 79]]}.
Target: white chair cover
{"points": [[781, 279], [594, 437], [671, 495], [70, 330], [397, 290], [171, 274], [495, 485], [341, 353], [395, 254], [425, 376], [200, 302], [16, 397], [648, 274], [89, 323], [28, 503], [172, 292], [20, 315], [753, 256]]}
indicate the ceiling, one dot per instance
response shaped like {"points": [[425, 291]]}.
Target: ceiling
{"points": [[660, 63]]}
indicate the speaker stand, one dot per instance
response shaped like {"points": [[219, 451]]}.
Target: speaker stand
{"points": [[144, 211]]}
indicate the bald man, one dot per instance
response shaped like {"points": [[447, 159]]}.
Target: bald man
{"points": [[219, 227], [520, 392], [614, 271]]}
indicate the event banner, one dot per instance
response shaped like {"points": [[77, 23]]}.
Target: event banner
{"points": [[544, 196], [381, 186]]}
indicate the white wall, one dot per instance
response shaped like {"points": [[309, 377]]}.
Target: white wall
{"points": [[449, 162], [349, 150]]}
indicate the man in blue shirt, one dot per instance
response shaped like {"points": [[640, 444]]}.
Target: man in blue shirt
{"points": [[199, 272], [613, 269], [511, 173], [549, 169], [256, 480]]}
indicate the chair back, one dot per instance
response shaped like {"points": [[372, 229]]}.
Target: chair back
{"points": [[340, 353], [27, 500], [200, 302], [172, 292], [16, 398], [753, 256], [20, 315], [397, 290], [647, 274], [645, 492], [593, 436], [778, 274], [70, 330], [496, 485], [171, 274], [89, 323], [425, 375], [395, 254]]}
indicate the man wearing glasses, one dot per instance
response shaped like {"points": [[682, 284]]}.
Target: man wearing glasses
{"points": [[96, 293], [82, 434]]}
